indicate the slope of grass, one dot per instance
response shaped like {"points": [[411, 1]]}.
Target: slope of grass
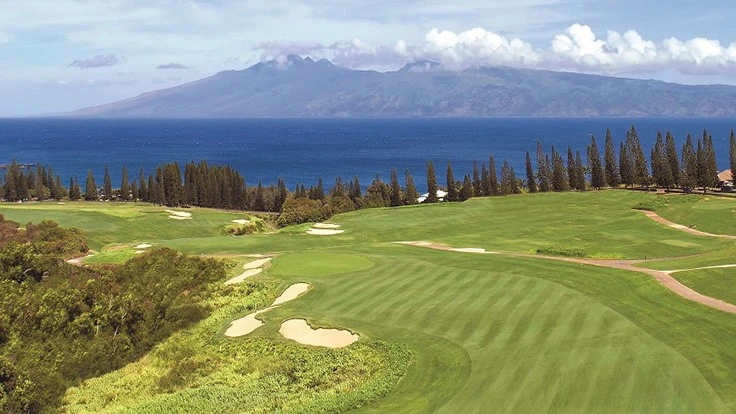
{"points": [[706, 213], [716, 283]]}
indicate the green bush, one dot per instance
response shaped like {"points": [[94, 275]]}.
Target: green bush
{"points": [[301, 210], [561, 251]]}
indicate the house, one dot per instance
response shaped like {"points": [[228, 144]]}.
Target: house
{"points": [[725, 180], [440, 196]]}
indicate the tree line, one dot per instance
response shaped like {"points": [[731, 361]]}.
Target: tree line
{"points": [[214, 186]]}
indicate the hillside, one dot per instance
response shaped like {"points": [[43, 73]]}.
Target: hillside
{"points": [[307, 88]]}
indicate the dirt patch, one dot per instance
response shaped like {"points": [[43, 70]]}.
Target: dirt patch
{"points": [[654, 216], [324, 232], [78, 261], [300, 331], [240, 278]]}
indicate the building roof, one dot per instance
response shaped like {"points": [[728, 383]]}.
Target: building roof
{"points": [[725, 175]]}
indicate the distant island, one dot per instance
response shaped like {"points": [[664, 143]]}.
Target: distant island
{"points": [[302, 87]]}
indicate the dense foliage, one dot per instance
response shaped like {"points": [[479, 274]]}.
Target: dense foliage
{"points": [[61, 323]]}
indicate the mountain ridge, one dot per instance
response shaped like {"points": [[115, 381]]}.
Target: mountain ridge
{"points": [[302, 87]]}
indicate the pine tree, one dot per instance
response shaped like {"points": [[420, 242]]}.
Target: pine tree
{"points": [[612, 169], [597, 176], [259, 202], [559, 178], [357, 190], [320, 191], [431, 184], [485, 178], [531, 182], [579, 172], [636, 158], [493, 178], [661, 171], [625, 167], [452, 194], [543, 167], [466, 190], [672, 158], [124, 185], [12, 182], [476, 179], [282, 194], [689, 176], [506, 181], [90, 188], [732, 153], [572, 169], [411, 189], [142, 189], [514, 181], [107, 185], [711, 175], [395, 197], [39, 189], [134, 190], [151, 189], [75, 193]]}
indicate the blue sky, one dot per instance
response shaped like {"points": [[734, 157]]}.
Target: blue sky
{"points": [[60, 55]]}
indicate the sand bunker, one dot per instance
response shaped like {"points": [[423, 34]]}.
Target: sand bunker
{"points": [[300, 331], [245, 325], [139, 251], [291, 293], [241, 221], [179, 215], [439, 246], [326, 226], [249, 323], [324, 232], [256, 263], [248, 273], [143, 246]]}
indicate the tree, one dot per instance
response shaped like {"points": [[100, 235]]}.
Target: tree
{"points": [[466, 190], [531, 182], [559, 178], [572, 168], [259, 202], [452, 194], [625, 168], [431, 184], [485, 178], [142, 190], [90, 188], [134, 190], [320, 193], [636, 158], [579, 172], [124, 185], [492, 177], [395, 197], [597, 176], [711, 173], [612, 174], [509, 183], [732, 153], [476, 179], [661, 172], [411, 190], [543, 169], [689, 176], [75, 192], [107, 185], [672, 158], [282, 194]]}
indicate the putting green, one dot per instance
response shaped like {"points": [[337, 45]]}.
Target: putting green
{"points": [[325, 263]]}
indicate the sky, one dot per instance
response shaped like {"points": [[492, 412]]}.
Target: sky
{"points": [[61, 55]]}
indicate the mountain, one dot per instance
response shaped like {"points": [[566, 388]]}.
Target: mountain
{"points": [[307, 88]]}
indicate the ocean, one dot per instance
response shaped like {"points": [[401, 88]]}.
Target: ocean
{"points": [[301, 150]]}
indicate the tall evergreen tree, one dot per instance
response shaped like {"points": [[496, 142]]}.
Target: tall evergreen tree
{"points": [[531, 181], [134, 190], [711, 175], [476, 179], [431, 184], [281, 194], [636, 158], [90, 188], [732, 153], [572, 169], [107, 185], [75, 193], [466, 190], [611, 168], [661, 172], [559, 177], [320, 193], [357, 191], [259, 201], [142, 189], [689, 176], [543, 168], [579, 172], [493, 178], [625, 167], [125, 185], [411, 190], [485, 178], [452, 194], [672, 158], [396, 196]]}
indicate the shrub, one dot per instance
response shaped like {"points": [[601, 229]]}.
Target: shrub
{"points": [[561, 251], [300, 210]]}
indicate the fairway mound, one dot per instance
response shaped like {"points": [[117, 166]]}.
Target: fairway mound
{"points": [[659, 219], [240, 278], [326, 226], [250, 323], [256, 263], [245, 325], [240, 221], [299, 330], [142, 246], [324, 232]]}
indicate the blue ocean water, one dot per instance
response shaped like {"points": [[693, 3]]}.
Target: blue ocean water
{"points": [[300, 150]]}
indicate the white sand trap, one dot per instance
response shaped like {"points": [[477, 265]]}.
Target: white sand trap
{"points": [[324, 232], [139, 251], [143, 246], [245, 325], [179, 213], [248, 273], [291, 293], [469, 250], [300, 331], [241, 221], [179, 217], [256, 263], [326, 226]]}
